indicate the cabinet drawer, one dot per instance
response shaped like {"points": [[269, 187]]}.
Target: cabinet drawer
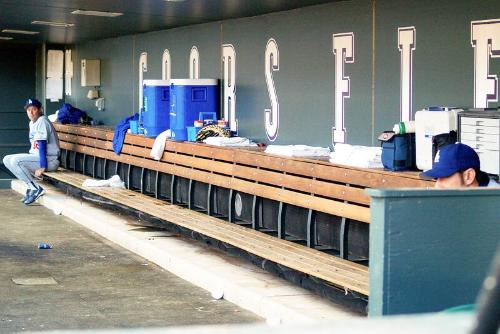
{"points": [[489, 130], [490, 161], [476, 145], [480, 121], [480, 137]]}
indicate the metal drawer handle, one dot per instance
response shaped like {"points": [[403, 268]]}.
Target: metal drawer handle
{"points": [[480, 131]]}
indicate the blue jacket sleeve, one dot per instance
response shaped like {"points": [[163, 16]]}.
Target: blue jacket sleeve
{"points": [[42, 151]]}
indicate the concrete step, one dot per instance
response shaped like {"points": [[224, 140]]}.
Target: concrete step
{"points": [[239, 282]]}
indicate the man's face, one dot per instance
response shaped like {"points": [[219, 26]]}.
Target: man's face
{"points": [[453, 181], [463, 179], [33, 113]]}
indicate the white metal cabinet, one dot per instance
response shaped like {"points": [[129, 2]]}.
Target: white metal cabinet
{"points": [[480, 129]]}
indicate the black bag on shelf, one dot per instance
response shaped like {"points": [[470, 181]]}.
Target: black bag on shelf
{"points": [[398, 151]]}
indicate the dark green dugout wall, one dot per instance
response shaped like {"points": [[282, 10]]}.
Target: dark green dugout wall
{"points": [[17, 83], [443, 65], [436, 260]]}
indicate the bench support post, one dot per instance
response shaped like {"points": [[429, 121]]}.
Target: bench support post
{"points": [[66, 159], [311, 228], [230, 212], [281, 221], [172, 189], [210, 200], [142, 180], [83, 164], [104, 166], [74, 161], [255, 212], [157, 185], [191, 194], [128, 176], [344, 234], [93, 166]]}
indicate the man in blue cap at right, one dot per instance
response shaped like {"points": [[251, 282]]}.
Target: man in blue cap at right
{"points": [[458, 166]]}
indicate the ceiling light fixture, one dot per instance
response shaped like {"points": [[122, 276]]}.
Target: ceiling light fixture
{"points": [[22, 32], [54, 24], [95, 13], [2, 38]]}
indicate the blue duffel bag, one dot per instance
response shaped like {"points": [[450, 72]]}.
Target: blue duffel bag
{"points": [[398, 151]]}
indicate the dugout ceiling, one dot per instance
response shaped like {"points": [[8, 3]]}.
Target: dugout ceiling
{"points": [[139, 16]]}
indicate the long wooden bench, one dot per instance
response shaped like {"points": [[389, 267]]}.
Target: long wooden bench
{"points": [[340, 272], [315, 186]]}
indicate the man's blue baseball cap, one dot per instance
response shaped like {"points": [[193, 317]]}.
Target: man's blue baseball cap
{"points": [[34, 103], [454, 158]]}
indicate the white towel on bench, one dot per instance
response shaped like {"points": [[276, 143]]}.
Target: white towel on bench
{"points": [[357, 156], [159, 144], [298, 150], [229, 141], [113, 182]]}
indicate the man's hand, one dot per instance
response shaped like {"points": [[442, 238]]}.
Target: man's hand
{"points": [[39, 172]]}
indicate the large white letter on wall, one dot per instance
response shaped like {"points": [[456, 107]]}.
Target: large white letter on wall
{"points": [[143, 67], [194, 63], [343, 49], [406, 46], [166, 65], [229, 68], [271, 65], [485, 39]]}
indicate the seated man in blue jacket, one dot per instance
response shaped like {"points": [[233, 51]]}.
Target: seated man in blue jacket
{"points": [[458, 166], [43, 153]]}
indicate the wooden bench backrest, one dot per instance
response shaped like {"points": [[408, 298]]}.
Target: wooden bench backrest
{"points": [[369, 178], [306, 183]]}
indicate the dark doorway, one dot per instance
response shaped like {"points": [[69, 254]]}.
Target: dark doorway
{"points": [[17, 83]]}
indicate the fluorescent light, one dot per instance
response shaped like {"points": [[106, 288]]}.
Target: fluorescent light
{"points": [[5, 38], [95, 13], [53, 24], [22, 32]]}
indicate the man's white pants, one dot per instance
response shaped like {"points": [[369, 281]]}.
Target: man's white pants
{"points": [[24, 165]]}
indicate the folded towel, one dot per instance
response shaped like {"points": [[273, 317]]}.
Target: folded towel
{"points": [[357, 156], [53, 117], [229, 141], [113, 182], [159, 144], [298, 150]]}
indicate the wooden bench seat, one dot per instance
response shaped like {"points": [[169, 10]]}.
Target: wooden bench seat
{"points": [[342, 273]]}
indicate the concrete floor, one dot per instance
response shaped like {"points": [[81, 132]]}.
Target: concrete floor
{"points": [[99, 284]]}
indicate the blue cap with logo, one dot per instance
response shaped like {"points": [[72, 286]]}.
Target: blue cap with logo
{"points": [[454, 158], [33, 102]]}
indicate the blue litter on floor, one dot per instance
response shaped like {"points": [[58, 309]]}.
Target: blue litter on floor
{"points": [[43, 245]]}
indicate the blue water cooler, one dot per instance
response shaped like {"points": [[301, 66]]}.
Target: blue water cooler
{"points": [[155, 118], [189, 98]]}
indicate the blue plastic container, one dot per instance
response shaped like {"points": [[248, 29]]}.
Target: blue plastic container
{"points": [[192, 132], [189, 98], [155, 118], [134, 127]]}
